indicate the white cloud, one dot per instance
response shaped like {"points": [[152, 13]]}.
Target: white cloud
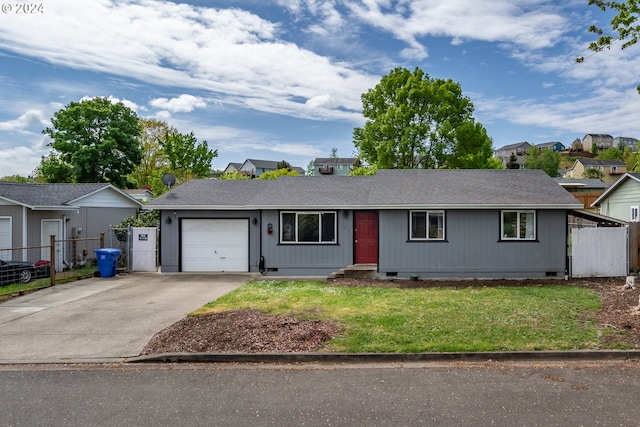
{"points": [[32, 118], [182, 104], [234, 55]]}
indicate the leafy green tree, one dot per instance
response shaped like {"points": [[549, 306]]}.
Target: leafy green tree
{"points": [[631, 159], [576, 145], [415, 121], [472, 149], [283, 165], [334, 153], [592, 173], [363, 170], [513, 162], [16, 178], [187, 157], [278, 173], [610, 153], [547, 160], [624, 23], [234, 175], [154, 161], [93, 140]]}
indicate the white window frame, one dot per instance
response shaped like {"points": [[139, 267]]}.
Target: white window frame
{"points": [[634, 214], [428, 213], [297, 214], [519, 225]]}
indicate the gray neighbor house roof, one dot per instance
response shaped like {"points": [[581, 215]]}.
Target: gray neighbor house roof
{"points": [[334, 161], [39, 196], [388, 189]]}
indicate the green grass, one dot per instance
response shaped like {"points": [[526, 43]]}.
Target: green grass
{"points": [[64, 277], [432, 320]]}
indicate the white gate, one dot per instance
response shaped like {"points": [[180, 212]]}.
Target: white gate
{"points": [[599, 252]]}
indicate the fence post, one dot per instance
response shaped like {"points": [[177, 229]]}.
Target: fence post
{"points": [[102, 240], [52, 255], [634, 246]]}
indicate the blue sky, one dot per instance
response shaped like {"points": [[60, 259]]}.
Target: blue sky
{"points": [[282, 79]]}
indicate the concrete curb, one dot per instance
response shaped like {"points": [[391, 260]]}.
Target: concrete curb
{"points": [[386, 357]]}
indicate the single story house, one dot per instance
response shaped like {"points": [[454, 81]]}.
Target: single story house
{"points": [[520, 150], [622, 199], [232, 167], [556, 146], [255, 168], [31, 212], [429, 223]]}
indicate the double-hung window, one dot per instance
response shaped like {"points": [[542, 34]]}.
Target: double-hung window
{"points": [[426, 225], [308, 227], [518, 225]]}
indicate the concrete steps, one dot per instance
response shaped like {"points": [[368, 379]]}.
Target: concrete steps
{"points": [[357, 271]]}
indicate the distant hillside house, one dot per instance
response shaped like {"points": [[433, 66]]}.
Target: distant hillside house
{"points": [[333, 166], [602, 141], [585, 190], [556, 147], [625, 141], [232, 167], [255, 168], [519, 149], [611, 169]]}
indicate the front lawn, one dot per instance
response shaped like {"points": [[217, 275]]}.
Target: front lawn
{"points": [[382, 320]]}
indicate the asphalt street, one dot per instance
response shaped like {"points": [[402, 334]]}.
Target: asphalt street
{"points": [[449, 394]]}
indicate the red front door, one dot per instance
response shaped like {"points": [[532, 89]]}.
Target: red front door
{"points": [[366, 237]]}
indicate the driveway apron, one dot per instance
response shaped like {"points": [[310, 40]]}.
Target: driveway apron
{"points": [[103, 319]]}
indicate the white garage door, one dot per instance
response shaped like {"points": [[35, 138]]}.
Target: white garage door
{"points": [[215, 245]]}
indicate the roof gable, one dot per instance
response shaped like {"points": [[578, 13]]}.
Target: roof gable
{"points": [[61, 196], [619, 183]]}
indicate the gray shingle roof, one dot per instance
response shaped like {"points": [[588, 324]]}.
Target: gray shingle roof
{"points": [[388, 189], [611, 162], [47, 195], [334, 161]]}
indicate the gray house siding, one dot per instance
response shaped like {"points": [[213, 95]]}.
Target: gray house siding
{"points": [[15, 212], [170, 258], [472, 248], [306, 259]]}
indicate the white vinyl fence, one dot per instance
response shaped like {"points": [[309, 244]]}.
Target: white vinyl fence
{"points": [[599, 252]]}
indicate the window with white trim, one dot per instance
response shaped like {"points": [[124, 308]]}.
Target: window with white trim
{"points": [[308, 227], [518, 225], [426, 225], [634, 217]]}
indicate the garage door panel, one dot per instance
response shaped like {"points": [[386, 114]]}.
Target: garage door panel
{"points": [[215, 245]]}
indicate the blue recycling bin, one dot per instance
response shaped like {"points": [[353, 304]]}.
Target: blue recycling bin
{"points": [[107, 261]]}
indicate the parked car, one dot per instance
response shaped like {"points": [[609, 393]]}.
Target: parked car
{"points": [[22, 271]]}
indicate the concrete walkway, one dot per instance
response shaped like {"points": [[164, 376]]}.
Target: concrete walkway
{"points": [[103, 319]]}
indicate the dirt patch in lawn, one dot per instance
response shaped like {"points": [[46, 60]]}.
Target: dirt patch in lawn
{"points": [[251, 331]]}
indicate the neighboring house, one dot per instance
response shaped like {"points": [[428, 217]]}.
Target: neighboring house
{"points": [[232, 167], [611, 170], [141, 194], [333, 166], [430, 223], [30, 213], [622, 199], [602, 141], [255, 168], [585, 190], [624, 141], [520, 150], [556, 147]]}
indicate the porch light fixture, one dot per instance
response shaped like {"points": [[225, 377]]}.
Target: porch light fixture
{"points": [[345, 213], [168, 220], [254, 220]]}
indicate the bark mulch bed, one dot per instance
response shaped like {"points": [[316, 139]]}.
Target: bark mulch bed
{"points": [[251, 331]]}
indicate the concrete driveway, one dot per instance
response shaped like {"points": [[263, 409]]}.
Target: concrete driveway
{"points": [[103, 319]]}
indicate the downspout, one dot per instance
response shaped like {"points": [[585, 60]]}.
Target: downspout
{"points": [[567, 263], [24, 233]]}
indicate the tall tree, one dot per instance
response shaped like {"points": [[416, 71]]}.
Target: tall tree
{"points": [[187, 157], [624, 23], [93, 140], [414, 121], [513, 162], [547, 160], [154, 161]]}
